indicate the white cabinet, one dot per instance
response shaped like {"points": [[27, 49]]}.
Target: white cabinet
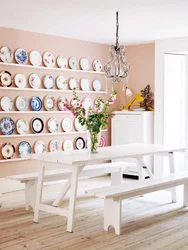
{"points": [[133, 127]]}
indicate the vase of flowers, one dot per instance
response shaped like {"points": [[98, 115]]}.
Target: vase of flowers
{"points": [[95, 118]]}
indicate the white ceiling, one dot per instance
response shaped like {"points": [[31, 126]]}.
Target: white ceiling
{"points": [[141, 21]]}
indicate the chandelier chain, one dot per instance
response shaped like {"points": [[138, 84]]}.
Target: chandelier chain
{"points": [[117, 31]]}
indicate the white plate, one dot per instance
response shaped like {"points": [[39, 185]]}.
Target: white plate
{"points": [[20, 80], [39, 147], [49, 102], [6, 103], [21, 56], [73, 83], [61, 82], [8, 150], [85, 84], [78, 126], [97, 65], [34, 81], [48, 81], [67, 145], [49, 59], [35, 58], [67, 124], [54, 146], [22, 126], [6, 55], [53, 125], [84, 63], [87, 103], [21, 103], [80, 143], [73, 63], [37, 125], [62, 102], [96, 84], [62, 62]]}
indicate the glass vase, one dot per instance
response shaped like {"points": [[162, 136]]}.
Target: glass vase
{"points": [[93, 140]]}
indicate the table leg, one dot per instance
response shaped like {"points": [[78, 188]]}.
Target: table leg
{"points": [[39, 193], [143, 166], [62, 194], [172, 170]]}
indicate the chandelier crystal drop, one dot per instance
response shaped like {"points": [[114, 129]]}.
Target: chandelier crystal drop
{"points": [[117, 68]]}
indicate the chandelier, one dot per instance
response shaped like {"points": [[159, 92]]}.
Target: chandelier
{"points": [[117, 68]]}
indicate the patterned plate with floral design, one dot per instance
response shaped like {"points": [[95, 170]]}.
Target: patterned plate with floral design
{"points": [[6, 55], [48, 81], [6, 103], [7, 126], [87, 103], [35, 58], [39, 147], [75, 103], [54, 146], [24, 148], [97, 65], [61, 82], [37, 125], [67, 145], [78, 126], [22, 126], [73, 83], [34, 81], [67, 124], [20, 80], [21, 103], [62, 62], [49, 59], [62, 102], [21, 56], [49, 102], [80, 143], [8, 151], [5, 79], [73, 63], [36, 103], [53, 125]]}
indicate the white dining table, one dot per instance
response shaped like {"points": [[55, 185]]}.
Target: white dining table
{"points": [[76, 160]]}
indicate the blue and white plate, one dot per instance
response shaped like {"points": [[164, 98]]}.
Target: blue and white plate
{"points": [[7, 126], [48, 81], [37, 125], [36, 103], [24, 148], [21, 56]]}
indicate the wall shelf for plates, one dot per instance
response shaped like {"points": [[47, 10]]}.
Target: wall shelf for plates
{"points": [[35, 112], [48, 68], [46, 134], [12, 160]]}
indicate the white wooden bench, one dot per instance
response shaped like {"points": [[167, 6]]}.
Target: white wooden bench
{"points": [[30, 180], [113, 195]]}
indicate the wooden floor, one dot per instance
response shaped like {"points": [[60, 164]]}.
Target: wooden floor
{"points": [[149, 223]]}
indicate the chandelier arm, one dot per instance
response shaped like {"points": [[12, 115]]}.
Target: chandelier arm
{"points": [[117, 31]]}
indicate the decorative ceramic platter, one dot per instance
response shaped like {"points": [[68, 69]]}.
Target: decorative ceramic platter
{"points": [[67, 145], [8, 150], [73, 83], [20, 80], [21, 56], [36, 103], [75, 103], [61, 82], [73, 63], [21, 103], [84, 63], [22, 126], [35, 58], [78, 126], [7, 126], [62, 102], [5, 79], [87, 103], [6, 103], [85, 84], [101, 104], [54, 146], [96, 84], [24, 148], [39, 147], [37, 125], [49, 102], [34, 81], [97, 65], [53, 125], [62, 62], [49, 59], [80, 143], [102, 141], [67, 124], [48, 81], [6, 55]]}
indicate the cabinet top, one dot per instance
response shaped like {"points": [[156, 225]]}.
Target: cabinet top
{"points": [[123, 112]]}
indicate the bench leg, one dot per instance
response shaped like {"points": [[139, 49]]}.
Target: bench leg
{"points": [[116, 177], [30, 194], [112, 215], [172, 170], [185, 195]]}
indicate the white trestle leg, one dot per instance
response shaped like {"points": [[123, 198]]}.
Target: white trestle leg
{"points": [[172, 170], [112, 214], [30, 194], [185, 195]]}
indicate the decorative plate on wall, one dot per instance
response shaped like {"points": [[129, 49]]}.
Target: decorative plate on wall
{"points": [[101, 104], [5, 79], [54, 146], [61, 82], [8, 150], [78, 126], [21, 56], [24, 148], [102, 141], [53, 125], [80, 143], [48, 81], [75, 103], [20, 80], [37, 125], [49, 102], [62, 62], [7, 126], [36, 103], [67, 124], [67, 145], [62, 102], [84, 63], [6, 103], [6, 55], [73, 63], [21, 103], [87, 103], [97, 65], [34, 81], [39, 147], [73, 83], [49, 59], [85, 84], [22, 126], [35, 58], [96, 84]]}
